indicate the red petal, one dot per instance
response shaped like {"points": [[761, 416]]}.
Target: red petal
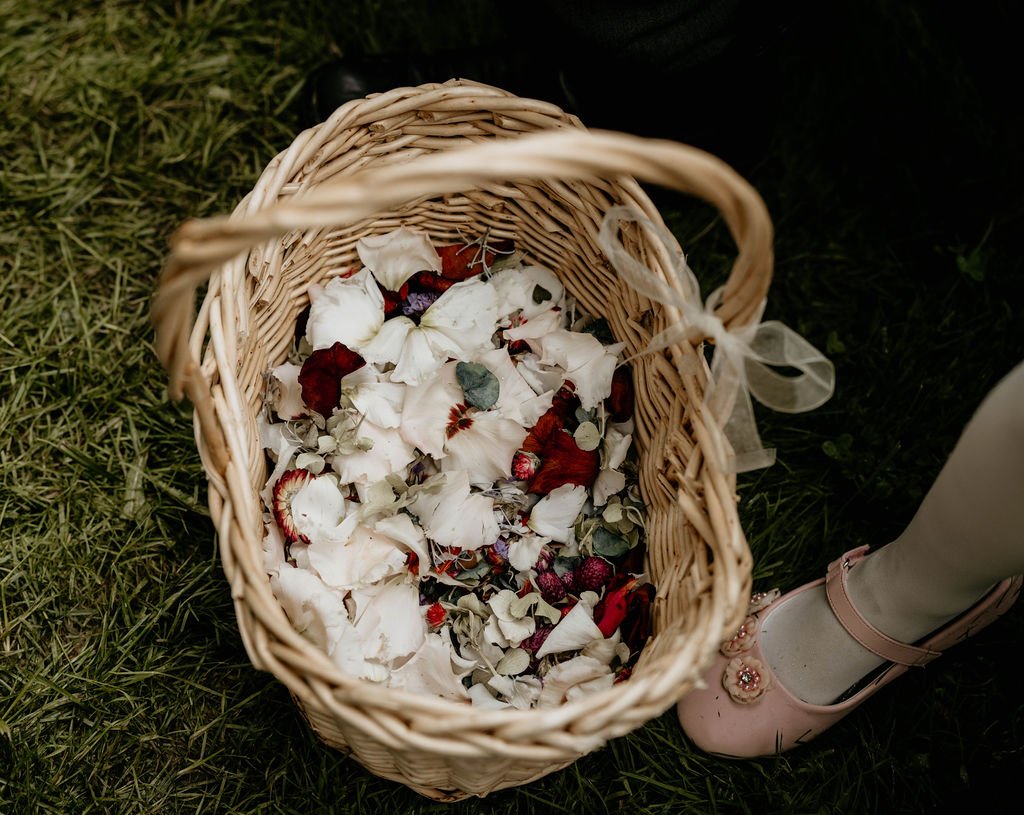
{"points": [[562, 462], [429, 282], [611, 611], [321, 375], [436, 615], [622, 398], [636, 625], [393, 300], [457, 261], [562, 407]]}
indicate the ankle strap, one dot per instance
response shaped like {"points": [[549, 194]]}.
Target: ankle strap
{"points": [[859, 628]]}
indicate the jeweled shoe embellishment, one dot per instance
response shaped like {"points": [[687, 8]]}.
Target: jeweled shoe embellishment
{"points": [[762, 599], [742, 640], [746, 679]]}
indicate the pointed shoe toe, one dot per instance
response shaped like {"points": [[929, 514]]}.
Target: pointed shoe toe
{"points": [[745, 712]]}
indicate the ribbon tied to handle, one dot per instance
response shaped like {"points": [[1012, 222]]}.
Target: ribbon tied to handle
{"points": [[743, 358]]}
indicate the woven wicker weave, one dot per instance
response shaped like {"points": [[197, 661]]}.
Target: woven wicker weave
{"points": [[444, 159]]}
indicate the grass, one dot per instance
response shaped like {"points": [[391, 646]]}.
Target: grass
{"points": [[893, 177]]}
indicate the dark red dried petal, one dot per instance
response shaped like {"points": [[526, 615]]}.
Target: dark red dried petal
{"points": [[393, 300], [636, 625], [562, 462], [321, 375], [563, 406], [621, 401], [457, 261], [424, 282]]}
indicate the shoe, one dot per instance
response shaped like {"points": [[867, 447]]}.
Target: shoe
{"points": [[745, 712]]}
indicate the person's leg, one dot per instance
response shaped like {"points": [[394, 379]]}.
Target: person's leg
{"points": [[967, 535]]}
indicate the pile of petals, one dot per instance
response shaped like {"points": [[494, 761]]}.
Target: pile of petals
{"points": [[451, 509]]}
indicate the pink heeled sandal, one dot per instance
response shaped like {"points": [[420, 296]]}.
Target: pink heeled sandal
{"points": [[745, 712]]}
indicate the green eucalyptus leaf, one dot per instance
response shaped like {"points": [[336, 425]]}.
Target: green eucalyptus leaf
{"points": [[480, 386], [587, 437], [609, 545]]}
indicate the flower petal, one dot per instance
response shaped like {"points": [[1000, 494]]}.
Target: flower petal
{"points": [[321, 374], [607, 484], [569, 679], [390, 454], [275, 438], [363, 557], [556, 512], [389, 622], [575, 630], [380, 402], [484, 449], [401, 529], [467, 314], [536, 328], [452, 516], [517, 400], [563, 462], [288, 396], [524, 551], [426, 411], [517, 290], [593, 380], [435, 669], [387, 344], [347, 310], [395, 257], [318, 507]]}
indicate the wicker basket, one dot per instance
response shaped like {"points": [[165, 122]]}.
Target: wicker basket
{"points": [[445, 158]]}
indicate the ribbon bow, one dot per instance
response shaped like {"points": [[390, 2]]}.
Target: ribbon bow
{"points": [[743, 358]]}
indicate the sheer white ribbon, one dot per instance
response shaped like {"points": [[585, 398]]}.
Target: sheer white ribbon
{"points": [[743, 358]]}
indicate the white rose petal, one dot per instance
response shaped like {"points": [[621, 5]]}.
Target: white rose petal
{"points": [[379, 402], [485, 449], [427, 410], [556, 512], [280, 441], [364, 557], [578, 672], [273, 548], [403, 530], [454, 517], [347, 310], [607, 483], [395, 257], [524, 551], [515, 288], [319, 614], [435, 669], [575, 630], [390, 625], [288, 402], [390, 454], [318, 508], [517, 399]]}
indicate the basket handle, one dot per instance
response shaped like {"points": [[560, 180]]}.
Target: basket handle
{"points": [[200, 246]]}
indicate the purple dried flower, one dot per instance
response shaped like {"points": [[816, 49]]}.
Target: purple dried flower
{"points": [[418, 302]]}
